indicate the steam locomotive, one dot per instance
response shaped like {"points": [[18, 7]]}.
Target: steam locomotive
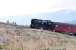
{"points": [[53, 26]]}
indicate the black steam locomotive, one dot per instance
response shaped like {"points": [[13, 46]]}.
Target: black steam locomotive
{"points": [[44, 24]]}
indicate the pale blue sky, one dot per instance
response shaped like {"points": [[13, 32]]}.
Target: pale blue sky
{"points": [[60, 16], [22, 11]]}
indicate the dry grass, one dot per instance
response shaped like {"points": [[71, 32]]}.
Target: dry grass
{"points": [[12, 38]]}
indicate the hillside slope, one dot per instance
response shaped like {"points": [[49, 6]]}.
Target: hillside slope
{"points": [[19, 38]]}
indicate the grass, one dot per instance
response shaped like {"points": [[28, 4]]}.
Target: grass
{"points": [[34, 39]]}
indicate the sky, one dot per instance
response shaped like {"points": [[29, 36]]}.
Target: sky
{"points": [[14, 9], [28, 7]]}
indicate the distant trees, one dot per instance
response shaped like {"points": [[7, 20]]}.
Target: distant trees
{"points": [[8, 22], [14, 23]]}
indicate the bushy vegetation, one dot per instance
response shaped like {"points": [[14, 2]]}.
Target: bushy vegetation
{"points": [[2, 47]]}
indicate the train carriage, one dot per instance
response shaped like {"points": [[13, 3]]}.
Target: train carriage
{"points": [[65, 28]]}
